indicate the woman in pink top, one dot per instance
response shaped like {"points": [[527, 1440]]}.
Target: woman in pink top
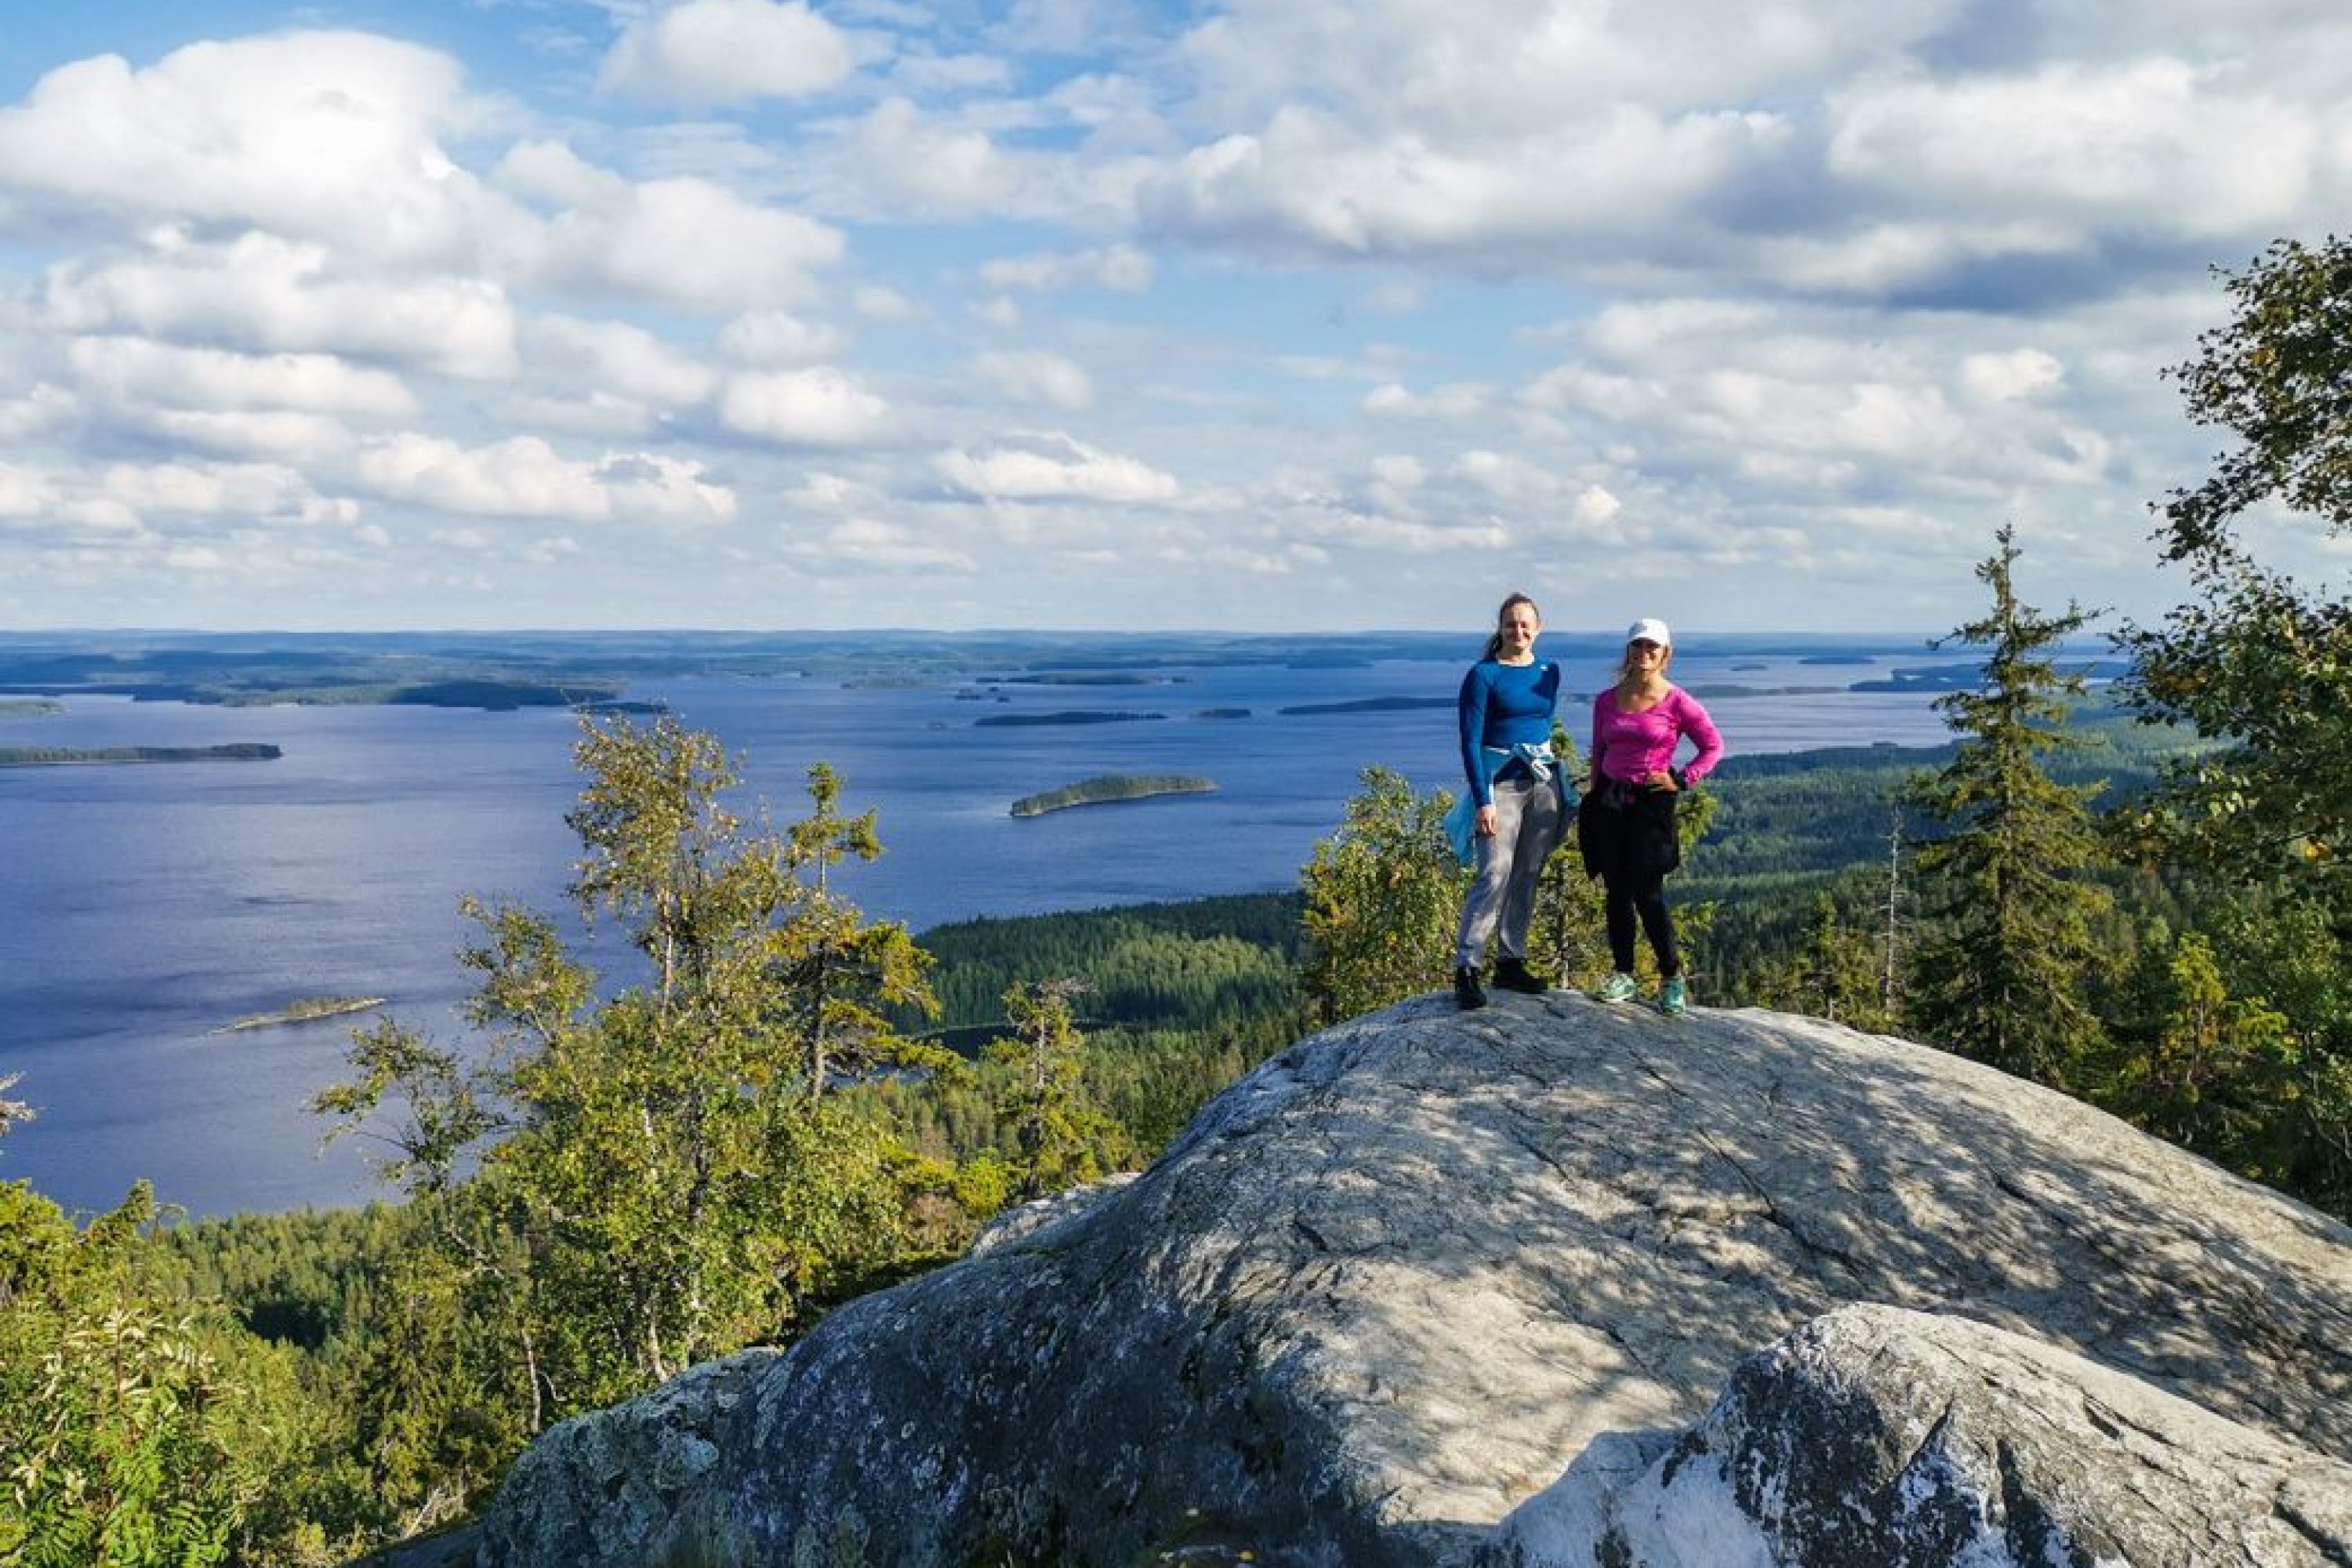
{"points": [[1626, 831]]}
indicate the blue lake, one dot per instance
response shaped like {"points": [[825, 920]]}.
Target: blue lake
{"points": [[142, 908]]}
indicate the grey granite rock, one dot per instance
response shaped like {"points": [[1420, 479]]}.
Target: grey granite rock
{"points": [[1876, 1438], [1391, 1284]]}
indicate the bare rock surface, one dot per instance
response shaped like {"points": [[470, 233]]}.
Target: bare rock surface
{"points": [[1389, 1286], [1876, 1438]]}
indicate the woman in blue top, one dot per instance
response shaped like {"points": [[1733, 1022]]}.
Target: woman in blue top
{"points": [[1506, 711]]}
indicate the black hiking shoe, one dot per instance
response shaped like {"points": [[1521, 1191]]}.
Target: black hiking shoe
{"points": [[1513, 975], [1467, 992]]}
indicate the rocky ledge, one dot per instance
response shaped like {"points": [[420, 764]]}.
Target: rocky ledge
{"points": [[1766, 1291]]}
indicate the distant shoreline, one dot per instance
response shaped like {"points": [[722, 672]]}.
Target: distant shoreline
{"points": [[101, 756]]}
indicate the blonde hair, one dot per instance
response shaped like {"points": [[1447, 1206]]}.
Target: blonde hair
{"points": [[1625, 662]]}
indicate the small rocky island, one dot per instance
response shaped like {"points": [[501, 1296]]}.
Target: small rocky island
{"points": [[1110, 787], [303, 1010]]}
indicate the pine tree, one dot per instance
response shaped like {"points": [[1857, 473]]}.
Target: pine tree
{"points": [[1381, 899], [2000, 970], [631, 1181], [1060, 1137]]}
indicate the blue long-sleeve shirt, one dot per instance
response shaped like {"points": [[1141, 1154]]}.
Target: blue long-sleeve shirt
{"points": [[1503, 706]]}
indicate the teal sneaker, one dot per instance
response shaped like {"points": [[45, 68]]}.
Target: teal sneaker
{"points": [[1673, 998], [1618, 987]]}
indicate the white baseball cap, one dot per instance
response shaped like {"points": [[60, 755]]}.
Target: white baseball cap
{"points": [[1649, 629]]}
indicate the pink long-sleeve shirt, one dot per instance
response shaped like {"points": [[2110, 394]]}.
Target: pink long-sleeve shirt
{"points": [[1631, 746]]}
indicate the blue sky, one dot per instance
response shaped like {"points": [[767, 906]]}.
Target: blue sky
{"points": [[1269, 314]]}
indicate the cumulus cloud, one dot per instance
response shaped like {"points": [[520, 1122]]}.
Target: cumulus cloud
{"points": [[2146, 142], [1036, 378], [262, 292], [1310, 183], [1123, 268], [1455, 402], [24, 493], [776, 337], [686, 240], [331, 136], [901, 154], [707, 52], [619, 359], [136, 372], [525, 476], [249, 489], [1056, 469], [820, 406]]}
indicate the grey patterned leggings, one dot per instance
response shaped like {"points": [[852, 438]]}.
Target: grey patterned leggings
{"points": [[1503, 900]]}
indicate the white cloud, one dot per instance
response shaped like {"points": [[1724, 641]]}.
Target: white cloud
{"points": [[868, 544], [2017, 374], [524, 476], [250, 490], [683, 241], [775, 336], [1123, 268], [617, 358], [1000, 312], [1506, 478], [1310, 183], [134, 371], [903, 155], [728, 51], [284, 434], [1011, 473], [1454, 402], [43, 408], [264, 293], [520, 477], [2145, 142], [24, 493], [1036, 378], [332, 136], [877, 303], [820, 406]]}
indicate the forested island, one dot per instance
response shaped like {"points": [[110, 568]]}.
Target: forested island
{"points": [[1366, 705], [28, 707], [72, 757], [1110, 787], [1064, 716]]}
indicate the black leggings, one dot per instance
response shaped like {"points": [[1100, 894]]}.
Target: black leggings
{"points": [[1646, 897]]}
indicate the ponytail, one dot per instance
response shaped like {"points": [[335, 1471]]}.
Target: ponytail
{"points": [[1494, 638]]}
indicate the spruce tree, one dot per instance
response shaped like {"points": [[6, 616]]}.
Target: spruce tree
{"points": [[1998, 972]]}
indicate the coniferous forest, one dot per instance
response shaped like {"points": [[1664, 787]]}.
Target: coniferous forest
{"points": [[2135, 894]]}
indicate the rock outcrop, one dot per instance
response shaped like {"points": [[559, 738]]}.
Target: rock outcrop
{"points": [[1883, 1439], [1390, 1285]]}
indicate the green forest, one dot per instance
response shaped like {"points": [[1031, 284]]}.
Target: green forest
{"points": [[2134, 892]]}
